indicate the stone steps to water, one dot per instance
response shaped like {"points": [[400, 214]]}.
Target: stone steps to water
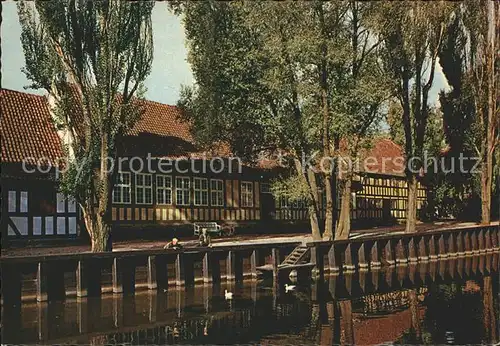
{"points": [[297, 256]]}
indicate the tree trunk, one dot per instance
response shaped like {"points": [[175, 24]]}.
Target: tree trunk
{"points": [[323, 82], [411, 207], [486, 176], [97, 207], [99, 230], [344, 222], [310, 178], [313, 219], [313, 188], [328, 234], [488, 142]]}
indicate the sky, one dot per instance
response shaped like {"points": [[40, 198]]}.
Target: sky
{"points": [[170, 69]]}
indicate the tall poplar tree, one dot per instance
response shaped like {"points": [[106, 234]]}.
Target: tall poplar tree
{"points": [[413, 33], [92, 57], [482, 29]]}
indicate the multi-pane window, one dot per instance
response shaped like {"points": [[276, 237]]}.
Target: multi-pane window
{"points": [[121, 189], [217, 192], [265, 188], [163, 189], [246, 194], [200, 191], [143, 188], [182, 194]]}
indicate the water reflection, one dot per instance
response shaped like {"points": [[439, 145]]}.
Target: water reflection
{"points": [[446, 302]]}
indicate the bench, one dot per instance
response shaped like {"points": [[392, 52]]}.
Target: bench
{"points": [[211, 227]]}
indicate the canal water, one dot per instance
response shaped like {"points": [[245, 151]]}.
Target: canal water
{"points": [[446, 302]]}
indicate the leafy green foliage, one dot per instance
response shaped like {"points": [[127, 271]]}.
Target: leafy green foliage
{"points": [[295, 76]]}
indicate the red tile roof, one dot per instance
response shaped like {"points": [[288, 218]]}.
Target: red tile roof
{"points": [[386, 157], [162, 120], [26, 128], [27, 131]]}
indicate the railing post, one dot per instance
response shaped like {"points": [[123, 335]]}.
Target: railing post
{"points": [[117, 274], [180, 279], [375, 256], [401, 258], [452, 252], [42, 282], [467, 243], [432, 248], [332, 261], [206, 266], [422, 249], [494, 240], [480, 241], [389, 258], [487, 240], [442, 247], [254, 263], [231, 266], [460, 244], [152, 271], [81, 279], [362, 262], [475, 243], [348, 263], [412, 251], [319, 260]]}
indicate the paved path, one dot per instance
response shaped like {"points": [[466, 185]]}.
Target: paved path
{"points": [[128, 245], [243, 239]]}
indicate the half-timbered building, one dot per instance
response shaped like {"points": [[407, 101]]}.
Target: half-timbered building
{"points": [[31, 206], [165, 181]]}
